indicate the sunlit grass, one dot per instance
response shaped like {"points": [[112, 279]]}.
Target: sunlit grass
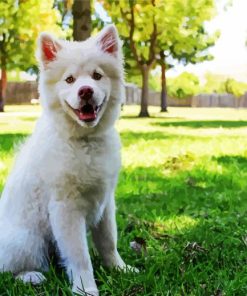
{"points": [[182, 190]]}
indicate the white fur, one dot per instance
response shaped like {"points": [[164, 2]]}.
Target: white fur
{"points": [[64, 178], [33, 277]]}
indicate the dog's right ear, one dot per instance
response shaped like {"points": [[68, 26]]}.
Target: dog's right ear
{"points": [[48, 48]]}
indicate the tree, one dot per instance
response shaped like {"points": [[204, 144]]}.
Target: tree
{"points": [[82, 24], [78, 18], [185, 39], [140, 23], [157, 29], [21, 22], [163, 94]]}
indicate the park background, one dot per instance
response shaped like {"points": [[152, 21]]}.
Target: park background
{"points": [[181, 195]]}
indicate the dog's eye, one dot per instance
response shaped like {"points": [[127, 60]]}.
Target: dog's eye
{"points": [[70, 79], [97, 76]]}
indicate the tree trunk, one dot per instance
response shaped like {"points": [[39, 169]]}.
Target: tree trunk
{"points": [[163, 97], [3, 83], [82, 25], [145, 93]]}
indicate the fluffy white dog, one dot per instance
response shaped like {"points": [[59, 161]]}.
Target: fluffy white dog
{"points": [[64, 178]]}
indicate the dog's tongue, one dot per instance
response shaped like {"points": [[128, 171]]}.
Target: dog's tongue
{"points": [[87, 113], [87, 116]]}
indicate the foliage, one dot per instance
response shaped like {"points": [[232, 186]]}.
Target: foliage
{"points": [[185, 38], [154, 80], [221, 84], [214, 83], [183, 86], [188, 84], [235, 88], [181, 190], [139, 24], [163, 32], [21, 22], [64, 8]]}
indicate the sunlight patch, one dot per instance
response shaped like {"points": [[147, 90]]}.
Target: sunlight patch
{"points": [[178, 223], [2, 165]]}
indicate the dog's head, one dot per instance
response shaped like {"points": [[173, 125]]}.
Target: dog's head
{"points": [[82, 79]]}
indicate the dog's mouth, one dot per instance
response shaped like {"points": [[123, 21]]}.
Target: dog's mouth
{"points": [[88, 111]]}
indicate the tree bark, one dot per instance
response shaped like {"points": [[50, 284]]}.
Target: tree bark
{"points": [[163, 89], [145, 92], [163, 97], [82, 24], [3, 83]]}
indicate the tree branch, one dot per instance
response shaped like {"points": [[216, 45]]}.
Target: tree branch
{"points": [[153, 41], [131, 23]]}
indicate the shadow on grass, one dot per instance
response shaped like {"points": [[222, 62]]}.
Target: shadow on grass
{"points": [[165, 117], [196, 219], [232, 160], [29, 118], [187, 190], [129, 138], [203, 123], [8, 142], [192, 223]]}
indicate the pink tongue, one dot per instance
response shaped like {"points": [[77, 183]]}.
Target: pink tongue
{"points": [[87, 116]]}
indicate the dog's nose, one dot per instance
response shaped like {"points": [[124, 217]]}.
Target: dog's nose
{"points": [[85, 93]]}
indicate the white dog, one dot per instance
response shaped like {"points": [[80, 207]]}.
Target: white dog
{"points": [[64, 178]]}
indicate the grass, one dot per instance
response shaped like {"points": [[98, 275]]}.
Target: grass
{"points": [[182, 195]]}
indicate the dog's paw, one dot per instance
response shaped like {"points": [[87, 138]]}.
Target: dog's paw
{"points": [[121, 266], [33, 277], [86, 292], [129, 268]]}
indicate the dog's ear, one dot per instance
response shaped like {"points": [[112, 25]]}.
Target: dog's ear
{"points": [[48, 47], [108, 40]]}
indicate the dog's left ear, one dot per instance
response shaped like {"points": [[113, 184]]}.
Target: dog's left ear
{"points": [[108, 40]]}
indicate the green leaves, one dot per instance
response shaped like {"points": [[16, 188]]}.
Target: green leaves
{"points": [[235, 88], [220, 84], [185, 85], [135, 22], [21, 22], [185, 38], [180, 29]]}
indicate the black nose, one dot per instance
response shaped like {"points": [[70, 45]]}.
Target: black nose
{"points": [[85, 93]]}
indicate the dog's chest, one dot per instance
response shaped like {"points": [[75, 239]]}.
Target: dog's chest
{"points": [[92, 163], [97, 159]]}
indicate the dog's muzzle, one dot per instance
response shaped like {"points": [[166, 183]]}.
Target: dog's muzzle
{"points": [[88, 109]]}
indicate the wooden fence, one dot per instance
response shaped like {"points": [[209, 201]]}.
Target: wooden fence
{"points": [[21, 92], [24, 92], [219, 100], [133, 97]]}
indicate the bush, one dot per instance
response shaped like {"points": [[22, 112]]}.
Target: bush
{"points": [[235, 88], [183, 86]]}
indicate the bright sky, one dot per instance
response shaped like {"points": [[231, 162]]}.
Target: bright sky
{"points": [[230, 51]]}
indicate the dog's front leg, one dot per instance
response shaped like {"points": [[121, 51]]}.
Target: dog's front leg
{"points": [[69, 230], [105, 237]]}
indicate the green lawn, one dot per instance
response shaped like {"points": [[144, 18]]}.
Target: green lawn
{"points": [[182, 191]]}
